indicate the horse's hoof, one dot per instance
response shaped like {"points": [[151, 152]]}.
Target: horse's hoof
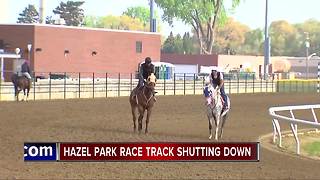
{"points": [[210, 137]]}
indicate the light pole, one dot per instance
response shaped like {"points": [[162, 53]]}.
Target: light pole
{"points": [[17, 51], [307, 43], [266, 44]]}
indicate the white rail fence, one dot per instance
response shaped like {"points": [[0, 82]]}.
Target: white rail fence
{"points": [[273, 111]]}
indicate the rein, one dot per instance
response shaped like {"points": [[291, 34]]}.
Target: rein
{"points": [[145, 97], [215, 101]]}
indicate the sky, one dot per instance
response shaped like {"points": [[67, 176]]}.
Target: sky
{"points": [[249, 12]]}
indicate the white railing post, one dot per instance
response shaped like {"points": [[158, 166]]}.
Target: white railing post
{"points": [[276, 131], [294, 129], [292, 121], [314, 117]]}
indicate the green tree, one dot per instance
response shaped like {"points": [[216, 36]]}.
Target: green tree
{"points": [[187, 44], [203, 16], [93, 21], [71, 12], [282, 36], [143, 14], [114, 22], [29, 15], [230, 37], [178, 44], [253, 44], [139, 12], [311, 29], [168, 45], [49, 20]]}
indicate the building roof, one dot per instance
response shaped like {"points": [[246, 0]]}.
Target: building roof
{"points": [[83, 28]]}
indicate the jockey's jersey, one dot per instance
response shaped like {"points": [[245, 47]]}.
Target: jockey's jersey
{"points": [[217, 80], [25, 68], [147, 70]]}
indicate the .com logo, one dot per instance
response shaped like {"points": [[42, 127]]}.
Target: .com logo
{"points": [[40, 151]]}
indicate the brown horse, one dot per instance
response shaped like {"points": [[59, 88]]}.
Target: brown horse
{"points": [[21, 83], [143, 99]]}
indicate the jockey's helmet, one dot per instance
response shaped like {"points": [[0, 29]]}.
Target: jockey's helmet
{"points": [[27, 61], [147, 60]]}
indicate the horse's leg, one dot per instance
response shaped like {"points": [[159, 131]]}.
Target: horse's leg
{"points": [[134, 118], [217, 125], [28, 90], [210, 120], [17, 94], [24, 94], [147, 120], [210, 127], [223, 120], [141, 112]]}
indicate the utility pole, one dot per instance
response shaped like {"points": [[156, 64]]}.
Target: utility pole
{"points": [[307, 54], [152, 20], [266, 44]]}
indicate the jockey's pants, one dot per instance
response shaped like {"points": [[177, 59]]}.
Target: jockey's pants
{"points": [[27, 75], [141, 82], [224, 96]]}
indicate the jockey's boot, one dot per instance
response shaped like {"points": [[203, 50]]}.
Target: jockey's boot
{"points": [[225, 107]]}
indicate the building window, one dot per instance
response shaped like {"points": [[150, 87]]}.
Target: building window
{"points": [[138, 47]]}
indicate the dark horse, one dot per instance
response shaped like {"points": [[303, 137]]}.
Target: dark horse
{"points": [[143, 99], [21, 83]]}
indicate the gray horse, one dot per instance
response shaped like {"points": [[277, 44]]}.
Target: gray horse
{"points": [[214, 105]]}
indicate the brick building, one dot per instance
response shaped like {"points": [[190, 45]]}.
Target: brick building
{"points": [[76, 49]]}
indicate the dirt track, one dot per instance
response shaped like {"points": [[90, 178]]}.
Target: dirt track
{"points": [[174, 118]]}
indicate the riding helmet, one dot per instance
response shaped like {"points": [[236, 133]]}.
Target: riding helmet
{"points": [[147, 60]]}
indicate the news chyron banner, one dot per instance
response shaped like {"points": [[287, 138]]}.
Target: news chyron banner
{"points": [[141, 151]]}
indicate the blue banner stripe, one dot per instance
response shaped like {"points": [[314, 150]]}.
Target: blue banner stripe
{"points": [[40, 151]]}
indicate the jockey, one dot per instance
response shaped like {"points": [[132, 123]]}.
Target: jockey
{"points": [[25, 69], [216, 78], [145, 71]]}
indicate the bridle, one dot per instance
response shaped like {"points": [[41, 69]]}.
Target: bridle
{"points": [[144, 95], [215, 98]]}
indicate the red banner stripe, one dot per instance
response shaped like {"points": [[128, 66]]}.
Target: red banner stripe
{"points": [[159, 151]]}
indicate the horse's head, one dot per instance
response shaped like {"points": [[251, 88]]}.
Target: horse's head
{"points": [[151, 81]]}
